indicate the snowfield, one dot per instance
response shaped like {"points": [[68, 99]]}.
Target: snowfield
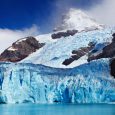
{"points": [[54, 53]]}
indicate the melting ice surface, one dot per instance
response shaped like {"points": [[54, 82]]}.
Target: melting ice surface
{"points": [[88, 83]]}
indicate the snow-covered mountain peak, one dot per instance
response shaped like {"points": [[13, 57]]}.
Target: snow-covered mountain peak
{"points": [[77, 19]]}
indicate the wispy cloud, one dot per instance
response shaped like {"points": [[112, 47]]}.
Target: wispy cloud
{"points": [[104, 12], [63, 7], [8, 36]]}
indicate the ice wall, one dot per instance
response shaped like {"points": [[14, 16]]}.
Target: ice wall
{"points": [[88, 83]]}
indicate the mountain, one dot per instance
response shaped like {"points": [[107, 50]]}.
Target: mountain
{"points": [[75, 23], [73, 64], [77, 19]]}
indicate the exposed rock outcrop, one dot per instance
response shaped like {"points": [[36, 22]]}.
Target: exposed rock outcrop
{"points": [[112, 67], [21, 49], [107, 52], [64, 34], [79, 53]]}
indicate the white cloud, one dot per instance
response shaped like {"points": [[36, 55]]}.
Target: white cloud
{"points": [[8, 36], [104, 12]]}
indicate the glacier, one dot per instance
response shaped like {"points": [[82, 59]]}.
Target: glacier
{"points": [[42, 77], [55, 52], [34, 83]]}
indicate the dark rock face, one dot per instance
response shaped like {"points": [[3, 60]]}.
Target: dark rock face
{"points": [[21, 49], [79, 53], [68, 61], [107, 52], [113, 37], [64, 34], [112, 67]]}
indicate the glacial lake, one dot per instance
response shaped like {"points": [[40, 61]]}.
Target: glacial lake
{"points": [[57, 109]]}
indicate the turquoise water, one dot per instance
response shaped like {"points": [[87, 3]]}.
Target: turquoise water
{"points": [[56, 109]]}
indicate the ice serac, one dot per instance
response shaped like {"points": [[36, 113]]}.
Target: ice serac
{"points": [[88, 83]]}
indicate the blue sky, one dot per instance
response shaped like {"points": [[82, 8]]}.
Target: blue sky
{"points": [[18, 14], [22, 18]]}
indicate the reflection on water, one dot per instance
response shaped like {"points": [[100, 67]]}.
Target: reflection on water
{"points": [[57, 109]]}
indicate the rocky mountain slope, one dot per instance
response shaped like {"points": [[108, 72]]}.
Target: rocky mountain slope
{"points": [[21, 49]]}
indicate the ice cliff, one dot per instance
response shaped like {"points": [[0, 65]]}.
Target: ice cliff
{"points": [[88, 83]]}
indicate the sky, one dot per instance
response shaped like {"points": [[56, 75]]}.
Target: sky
{"points": [[20, 18], [18, 14]]}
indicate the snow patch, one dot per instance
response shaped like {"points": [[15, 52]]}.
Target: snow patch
{"points": [[12, 49]]}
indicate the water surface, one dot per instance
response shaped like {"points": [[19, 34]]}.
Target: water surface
{"points": [[57, 109]]}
